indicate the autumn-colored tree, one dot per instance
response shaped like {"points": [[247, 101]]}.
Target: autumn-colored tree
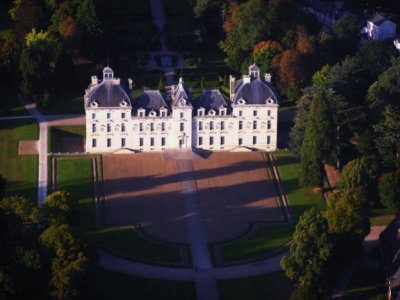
{"points": [[264, 53]]}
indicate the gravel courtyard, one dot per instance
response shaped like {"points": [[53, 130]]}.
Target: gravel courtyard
{"points": [[234, 189]]}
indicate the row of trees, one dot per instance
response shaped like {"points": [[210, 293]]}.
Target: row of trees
{"points": [[43, 254]]}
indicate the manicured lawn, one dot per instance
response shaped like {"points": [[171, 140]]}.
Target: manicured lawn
{"points": [[265, 239], [368, 285], [273, 286], [75, 176], [110, 285], [56, 133], [20, 171], [300, 199], [381, 216]]}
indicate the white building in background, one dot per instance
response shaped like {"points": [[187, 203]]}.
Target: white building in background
{"points": [[380, 27], [248, 119]]}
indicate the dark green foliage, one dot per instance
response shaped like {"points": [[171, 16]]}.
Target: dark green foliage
{"points": [[309, 252], [318, 143], [300, 121], [347, 30], [302, 293], [356, 173], [60, 208], [389, 190]]}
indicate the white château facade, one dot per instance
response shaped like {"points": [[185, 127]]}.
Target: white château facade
{"points": [[115, 121]]}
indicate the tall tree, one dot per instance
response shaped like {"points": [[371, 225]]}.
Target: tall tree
{"points": [[318, 143], [357, 173], [389, 189], [309, 252]]}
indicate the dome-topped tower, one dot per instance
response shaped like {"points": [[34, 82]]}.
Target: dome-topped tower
{"points": [[108, 73], [254, 71]]}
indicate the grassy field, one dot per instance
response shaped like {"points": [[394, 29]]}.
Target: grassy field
{"points": [[367, 285], [75, 176], [270, 237], [273, 286], [381, 216], [110, 285], [19, 171], [56, 133]]}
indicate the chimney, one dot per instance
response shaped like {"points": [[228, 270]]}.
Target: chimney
{"points": [[94, 80], [268, 77], [246, 79], [232, 81], [130, 81]]}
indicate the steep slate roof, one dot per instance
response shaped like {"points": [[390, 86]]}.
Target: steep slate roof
{"points": [[379, 19], [179, 93], [150, 100], [211, 99], [107, 94], [254, 92]]}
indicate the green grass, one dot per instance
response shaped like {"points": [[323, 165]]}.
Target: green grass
{"points": [[368, 285], [264, 240], [56, 133], [110, 285], [381, 216], [300, 198], [19, 171], [274, 286], [75, 176]]}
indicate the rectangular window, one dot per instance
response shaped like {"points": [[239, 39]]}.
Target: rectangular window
{"points": [[222, 125], [200, 125], [163, 126], [108, 115], [141, 114], [240, 141], [163, 141], [181, 115], [151, 126], [182, 127], [141, 127], [254, 140], [222, 140], [269, 125], [108, 127], [123, 142], [240, 113], [94, 143], [222, 112], [212, 125], [123, 127], [254, 113], [122, 115], [152, 142], [93, 116], [108, 142], [268, 139], [269, 112], [141, 142], [240, 125], [211, 140], [163, 114], [93, 127], [254, 124], [200, 140]]}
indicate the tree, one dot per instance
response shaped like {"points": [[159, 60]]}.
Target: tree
{"points": [[357, 173], [389, 190], [318, 142], [347, 30], [264, 53], [300, 121], [309, 252], [290, 69], [37, 62], [61, 208], [387, 136]]}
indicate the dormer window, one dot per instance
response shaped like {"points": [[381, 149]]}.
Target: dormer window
{"points": [[163, 112], [182, 102], [241, 101], [200, 112], [123, 103], [269, 101], [211, 112], [222, 111], [152, 113], [94, 104], [141, 113]]}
